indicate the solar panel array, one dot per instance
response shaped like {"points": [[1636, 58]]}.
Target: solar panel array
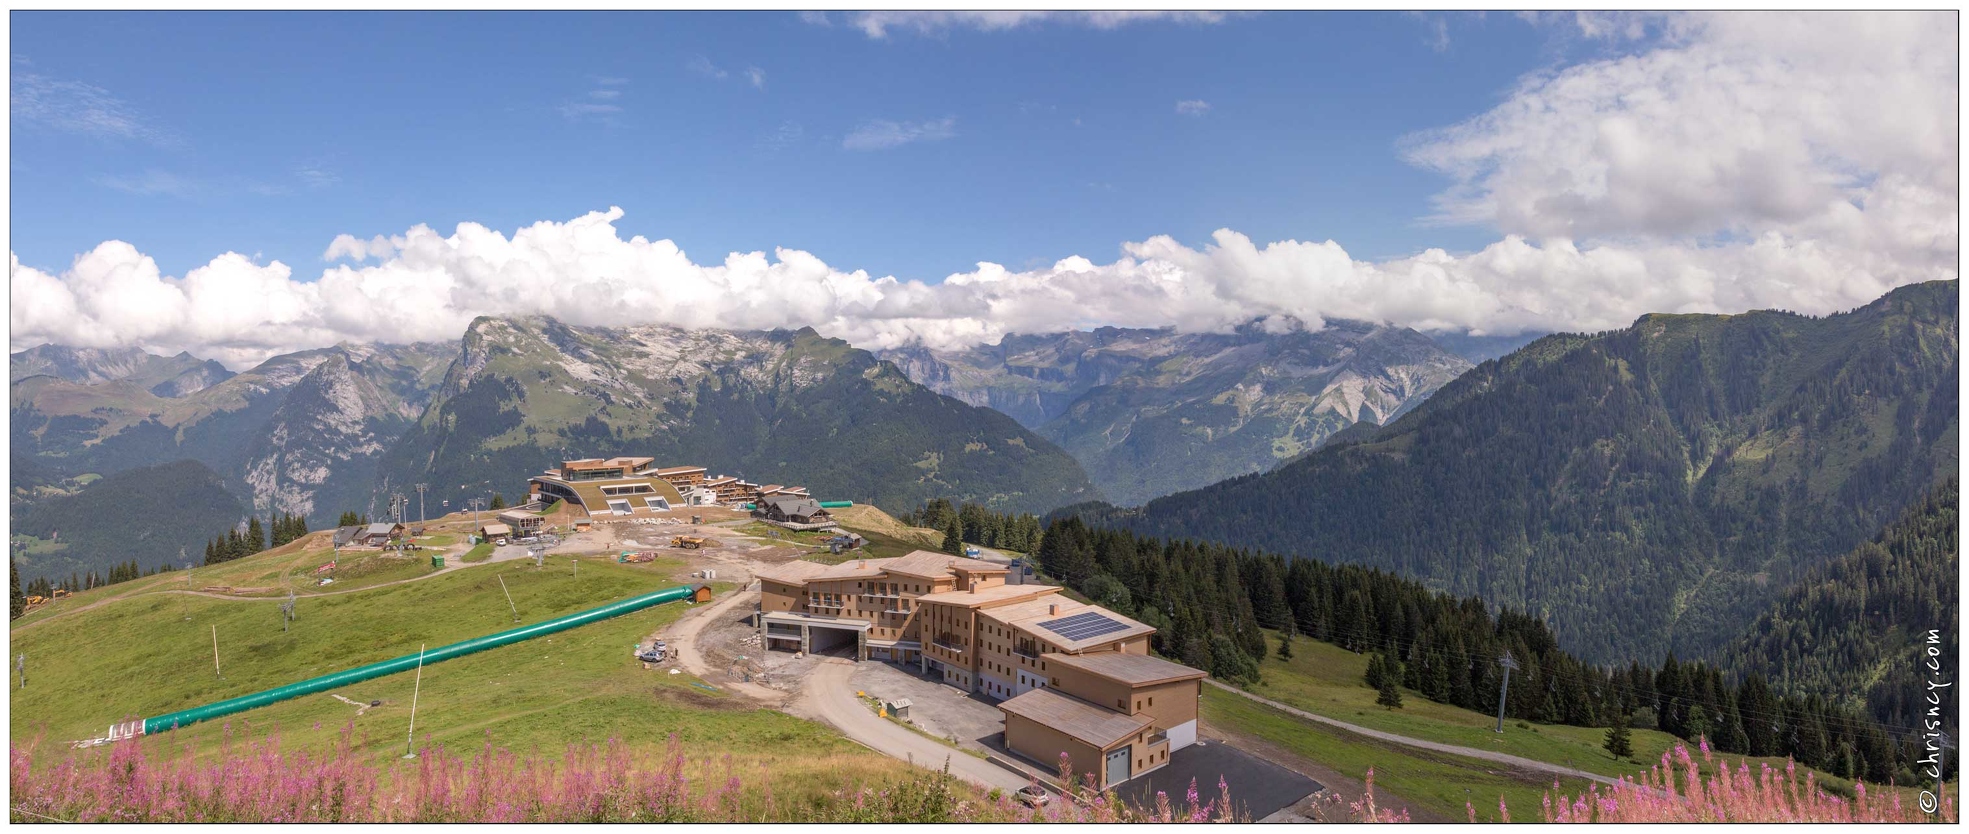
{"points": [[1083, 626]]}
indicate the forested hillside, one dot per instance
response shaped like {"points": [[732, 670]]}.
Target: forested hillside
{"points": [[1642, 489], [1210, 602], [146, 514], [1857, 629]]}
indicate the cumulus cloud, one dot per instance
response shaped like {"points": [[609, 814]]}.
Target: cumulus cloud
{"points": [[1803, 163], [425, 286], [756, 76], [1192, 107], [881, 134], [878, 24], [1737, 124]]}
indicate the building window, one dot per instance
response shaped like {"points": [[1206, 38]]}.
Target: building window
{"points": [[1151, 700], [1121, 703]]}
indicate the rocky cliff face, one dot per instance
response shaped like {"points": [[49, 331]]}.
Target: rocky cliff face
{"points": [[1151, 412], [317, 454]]}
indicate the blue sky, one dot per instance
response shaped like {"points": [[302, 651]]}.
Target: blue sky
{"points": [[271, 134], [1490, 174]]}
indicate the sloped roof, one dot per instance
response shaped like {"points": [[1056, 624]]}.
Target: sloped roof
{"points": [[379, 528], [1131, 669], [1129, 628], [1098, 726], [496, 529], [795, 572], [928, 563], [679, 470]]}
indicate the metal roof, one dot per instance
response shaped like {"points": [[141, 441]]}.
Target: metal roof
{"points": [[1098, 726], [1131, 669]]}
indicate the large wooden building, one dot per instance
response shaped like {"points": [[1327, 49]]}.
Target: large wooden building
{"points": [[1071, 678], [621, 487]]}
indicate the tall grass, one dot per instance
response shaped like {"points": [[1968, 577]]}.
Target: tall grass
{"points": [[1676, 791], [611, 782]]}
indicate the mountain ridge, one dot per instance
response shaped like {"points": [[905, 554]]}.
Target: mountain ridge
{"points": [[1156, 411]]}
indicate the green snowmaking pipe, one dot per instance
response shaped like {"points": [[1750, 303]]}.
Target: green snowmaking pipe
{"points": [[835, 505], [181, 718]]}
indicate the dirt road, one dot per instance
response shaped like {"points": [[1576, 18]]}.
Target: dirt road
{"points": [[1469, 752], [828, 697], [683, 634]]}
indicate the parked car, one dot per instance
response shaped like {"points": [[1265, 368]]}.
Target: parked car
{"points": [[1033, 796], [501, 542]]}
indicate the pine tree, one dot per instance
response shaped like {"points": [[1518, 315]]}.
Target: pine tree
{"points": [[498, 502], [256, 536], [953, 537], [18, 603], [1391, 696], [1285, 642], [1619, 742]]}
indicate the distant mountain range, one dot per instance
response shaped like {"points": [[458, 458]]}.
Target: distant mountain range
{"points": [[322, 431], [173, 376], [782, 406], [1646, 488], [1151, 412]]}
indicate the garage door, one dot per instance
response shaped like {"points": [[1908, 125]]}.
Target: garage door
{"points": [[1118, 766]]}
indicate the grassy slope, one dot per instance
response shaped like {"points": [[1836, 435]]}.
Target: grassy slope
{"points": [[1325, 679], [140, 655]]}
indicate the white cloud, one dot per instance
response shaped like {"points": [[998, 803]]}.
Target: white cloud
{"points": [[75, 107], [581, 109], [1735, 125], [605, 94], [878, 24], [784, 136], [1764, 161], [703, 66], [1192, 107], [881, 134], [424, 286], [151, 182], [757, 76]]}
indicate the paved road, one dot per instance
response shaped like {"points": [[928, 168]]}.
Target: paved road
{"points": [[1470, 752], [829, 697]]}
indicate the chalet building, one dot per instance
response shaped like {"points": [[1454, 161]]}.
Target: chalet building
{"points": [[1112, 714], [615, 488], [795, 512], [379, 534], [682, 477], [521, 522], [1070, 677]]}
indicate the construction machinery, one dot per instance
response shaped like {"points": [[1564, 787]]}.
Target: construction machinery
{"points": [[60, 593], [687, 542]]}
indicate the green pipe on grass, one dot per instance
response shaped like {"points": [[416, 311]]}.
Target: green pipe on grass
{"points": [[409, 662]]}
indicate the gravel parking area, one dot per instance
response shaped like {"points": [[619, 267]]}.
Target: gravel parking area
{"points": [[937, 708]]}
